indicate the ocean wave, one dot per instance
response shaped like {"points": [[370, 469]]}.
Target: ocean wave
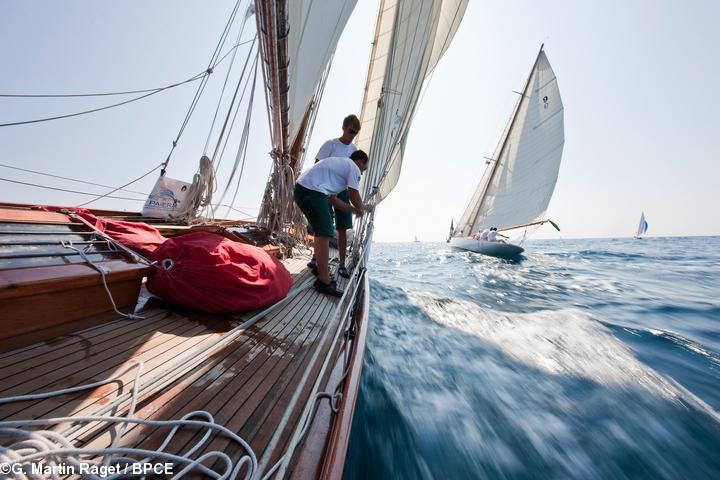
{"points": [[455, 390], [560, 342], [685, 343]]}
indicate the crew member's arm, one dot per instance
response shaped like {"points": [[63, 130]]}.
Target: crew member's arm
{"points": [[357, 207]]}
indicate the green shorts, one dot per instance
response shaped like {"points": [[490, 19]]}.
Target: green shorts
{"points": [[316, 208], [343, 220]]}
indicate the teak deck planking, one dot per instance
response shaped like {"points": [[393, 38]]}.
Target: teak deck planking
{"points": [[247, 385]]}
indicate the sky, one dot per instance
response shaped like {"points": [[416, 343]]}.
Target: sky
{"points": [[637, 79]]}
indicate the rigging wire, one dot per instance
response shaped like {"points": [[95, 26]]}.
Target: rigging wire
{"points": [[107, 195], [71, 191], [147, 93], [222, 135], [106, 107], [243, 144], [67, 178], [201, 87], [248, 13]]}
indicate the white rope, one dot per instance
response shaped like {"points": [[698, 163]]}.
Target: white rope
{"points": [[199, 195], [103, 273], [51, 447], [335, 398], [278, 206], [55, 448]]}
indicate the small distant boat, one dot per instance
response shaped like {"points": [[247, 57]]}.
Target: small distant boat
{"points": [[416, 240], [516, 188], [642, 227]]}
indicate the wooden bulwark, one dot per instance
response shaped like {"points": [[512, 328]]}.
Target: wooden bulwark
{"points": [[47, 286]]}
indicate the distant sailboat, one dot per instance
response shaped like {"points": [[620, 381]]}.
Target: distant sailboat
{"points": [[416, 240], [516, 188], [642, 227]]}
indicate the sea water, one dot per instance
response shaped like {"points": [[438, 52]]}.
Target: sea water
{"points": [[587, 359]]}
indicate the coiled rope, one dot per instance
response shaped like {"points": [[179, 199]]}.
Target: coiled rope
{"points": [[55, 448]]}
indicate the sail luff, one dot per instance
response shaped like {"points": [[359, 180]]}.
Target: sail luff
{"points": [[487, 179], [376, 72], [403, 57]]}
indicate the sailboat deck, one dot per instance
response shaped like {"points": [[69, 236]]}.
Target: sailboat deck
{"points": [[256, 384]]}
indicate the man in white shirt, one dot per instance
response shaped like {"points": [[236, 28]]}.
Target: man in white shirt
{"points": [[341, 147], [481, 235], [493, 236], [315, 191]]}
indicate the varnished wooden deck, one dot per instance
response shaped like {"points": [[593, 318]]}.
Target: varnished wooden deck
{"points": [[257, 384]]}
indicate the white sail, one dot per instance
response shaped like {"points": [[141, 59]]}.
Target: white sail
{"points": [[642, 226], [315, 28], [520, 180], [298, 39], [410, 38]]}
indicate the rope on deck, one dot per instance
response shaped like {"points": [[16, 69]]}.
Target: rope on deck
{"points": [[54, 449], [51, 446]]}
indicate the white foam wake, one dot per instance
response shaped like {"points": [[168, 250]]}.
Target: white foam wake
{"points": [[559, 342]]}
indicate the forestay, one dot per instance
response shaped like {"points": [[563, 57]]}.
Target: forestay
{"points": [[410, 38], [517, 186]]}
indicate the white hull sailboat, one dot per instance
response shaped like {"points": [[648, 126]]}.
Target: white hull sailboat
{"points": [[494, 249], [642, 227], [516, 188]]}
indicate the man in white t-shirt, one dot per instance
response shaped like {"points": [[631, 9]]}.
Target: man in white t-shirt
{"points": [[481, 235], [315, 191], [341, 147], [493, 236]]}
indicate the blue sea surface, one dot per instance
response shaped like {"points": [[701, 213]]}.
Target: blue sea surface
{"points": [[587, 359]]}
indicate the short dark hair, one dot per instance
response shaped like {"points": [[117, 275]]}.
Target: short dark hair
{"points": [[351, 121], [359, 155]]}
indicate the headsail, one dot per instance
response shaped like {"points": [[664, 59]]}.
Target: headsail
{"points": [[520, 179], [642, 227], [410, 38]]}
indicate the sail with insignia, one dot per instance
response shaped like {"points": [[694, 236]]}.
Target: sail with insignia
{"points": [[519, 181]]}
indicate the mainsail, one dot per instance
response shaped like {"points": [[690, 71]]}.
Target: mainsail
{"points": [[410, 38], [519, 182], [642, 227]]}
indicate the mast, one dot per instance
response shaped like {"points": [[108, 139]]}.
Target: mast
{"points": [[273, 30], [503, 144]]}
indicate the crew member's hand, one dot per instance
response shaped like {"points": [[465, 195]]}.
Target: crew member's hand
{"points": [[358, 211]]}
